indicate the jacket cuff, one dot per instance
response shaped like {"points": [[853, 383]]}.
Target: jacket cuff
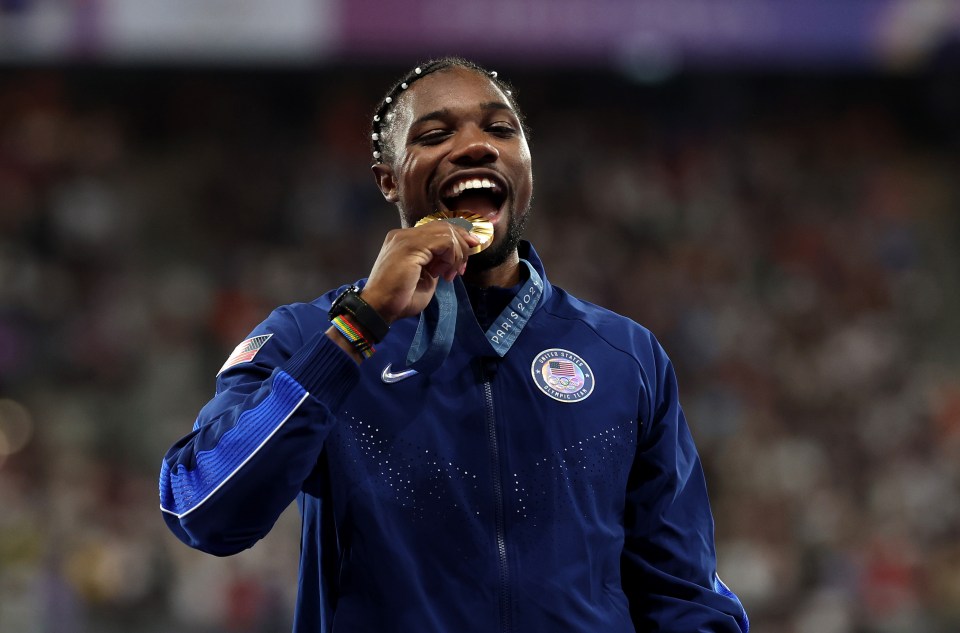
{"points": [[324, 370]]}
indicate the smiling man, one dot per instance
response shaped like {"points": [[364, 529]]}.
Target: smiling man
{"points": [[471, 448]]}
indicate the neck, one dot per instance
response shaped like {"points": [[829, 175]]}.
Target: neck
{"points": [[504, 275]]}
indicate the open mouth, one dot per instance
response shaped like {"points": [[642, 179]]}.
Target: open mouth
{"points": [[480, 195]]}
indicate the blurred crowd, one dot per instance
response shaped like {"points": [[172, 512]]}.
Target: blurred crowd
{"points": [[791, 240]]}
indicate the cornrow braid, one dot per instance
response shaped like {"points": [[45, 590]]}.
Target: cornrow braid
{"points": [[381, 128]]}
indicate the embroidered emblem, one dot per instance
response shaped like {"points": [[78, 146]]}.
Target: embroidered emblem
{"points": [[562, 375], [390, 377], [245, 351]]}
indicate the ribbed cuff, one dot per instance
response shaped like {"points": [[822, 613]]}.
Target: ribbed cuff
{"points": [[325, 370]]}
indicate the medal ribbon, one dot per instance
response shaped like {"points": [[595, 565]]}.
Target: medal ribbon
{"points": [[438, 322]]}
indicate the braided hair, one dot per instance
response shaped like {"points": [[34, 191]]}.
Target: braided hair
{"points": [[382, 127]]}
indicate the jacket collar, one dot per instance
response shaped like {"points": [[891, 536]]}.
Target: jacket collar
{"points": [[527, 252]]}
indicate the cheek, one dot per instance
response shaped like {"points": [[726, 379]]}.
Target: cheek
{"points": [[406, 167], [411, 181], [525, 166], [411, 188]]}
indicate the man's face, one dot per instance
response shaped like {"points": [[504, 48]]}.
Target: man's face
{"points": [[459, 146]]}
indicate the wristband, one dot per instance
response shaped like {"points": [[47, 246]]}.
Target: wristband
{"points": [[350, 302], [352, 334]]}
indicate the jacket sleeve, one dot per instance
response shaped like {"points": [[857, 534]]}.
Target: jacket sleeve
{"points": [[223, 485], [669, 560]]}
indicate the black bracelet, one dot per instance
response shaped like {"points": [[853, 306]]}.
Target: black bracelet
{"points": [[366, 317]]}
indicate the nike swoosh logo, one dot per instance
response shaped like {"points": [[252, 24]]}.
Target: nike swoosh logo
{"points": [[389, 377]]}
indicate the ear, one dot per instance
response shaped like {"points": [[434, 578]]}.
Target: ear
{"points": [[387, 182]]}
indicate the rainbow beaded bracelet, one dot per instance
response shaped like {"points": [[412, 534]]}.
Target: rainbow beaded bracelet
{"points": [[352, 333]]}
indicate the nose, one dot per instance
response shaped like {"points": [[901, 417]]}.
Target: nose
{"points": [[474, 148]]}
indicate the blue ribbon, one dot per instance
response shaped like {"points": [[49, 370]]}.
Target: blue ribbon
{"points": [[438, 322]]}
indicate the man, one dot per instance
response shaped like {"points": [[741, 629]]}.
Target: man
{"points": [[471, 448]]}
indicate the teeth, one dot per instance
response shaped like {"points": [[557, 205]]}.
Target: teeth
{"points": [[473, 183]]}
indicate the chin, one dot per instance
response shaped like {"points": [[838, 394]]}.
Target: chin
{"points": [[502, 248], [490, 258]]}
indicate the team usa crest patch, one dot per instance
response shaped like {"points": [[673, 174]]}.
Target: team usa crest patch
{"points": [[245, 351], [562, 375]]}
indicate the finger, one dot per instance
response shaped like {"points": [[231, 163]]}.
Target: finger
{"points": [[451, 254], [469, 239]]}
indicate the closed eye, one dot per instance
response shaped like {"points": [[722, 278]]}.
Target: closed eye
{"points": [[433, 137], [503, 130]]}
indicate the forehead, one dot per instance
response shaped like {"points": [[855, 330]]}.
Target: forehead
{"points": [[457, 90]]}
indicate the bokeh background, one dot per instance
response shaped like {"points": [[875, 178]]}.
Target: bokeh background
{"points": [[773, 187]]}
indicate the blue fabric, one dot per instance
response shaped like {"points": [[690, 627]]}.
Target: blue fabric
{"points": [[183, 488], [416, 493], [435, 331], [507, 327], [721, 588], [438, 322]]}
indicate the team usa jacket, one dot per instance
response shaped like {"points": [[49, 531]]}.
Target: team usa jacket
{"points": [[555, 489]]}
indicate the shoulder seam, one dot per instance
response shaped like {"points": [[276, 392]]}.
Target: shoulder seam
{"points": [[599, 334]]}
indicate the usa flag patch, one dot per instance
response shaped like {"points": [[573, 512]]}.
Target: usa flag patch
{"points": [[562, 375], [245, 351]]}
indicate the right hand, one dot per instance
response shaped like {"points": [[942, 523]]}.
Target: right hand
{"points": [[411, 260]]}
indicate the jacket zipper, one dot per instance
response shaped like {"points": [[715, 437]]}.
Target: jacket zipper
{"points": [[504, 570]]}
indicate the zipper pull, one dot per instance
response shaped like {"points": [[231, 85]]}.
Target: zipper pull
{"points": [[489, 366]]}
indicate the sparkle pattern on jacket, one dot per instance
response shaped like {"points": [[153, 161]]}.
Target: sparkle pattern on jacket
{"points": [[466, 500]]}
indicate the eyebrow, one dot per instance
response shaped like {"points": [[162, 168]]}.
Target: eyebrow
{"points": [[444, 113]]}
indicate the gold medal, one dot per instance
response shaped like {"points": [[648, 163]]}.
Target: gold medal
{"points": [[476, 224]]}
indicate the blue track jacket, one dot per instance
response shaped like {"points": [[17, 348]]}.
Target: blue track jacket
{"points": [[556, 489]]}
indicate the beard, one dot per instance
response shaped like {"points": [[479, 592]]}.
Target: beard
{"points": [[498, 252]]}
